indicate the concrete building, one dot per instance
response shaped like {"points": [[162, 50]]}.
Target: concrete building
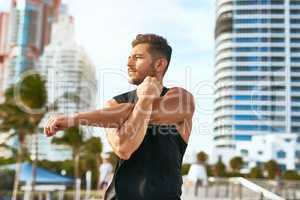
{"points": [[29, 32], [257, 72], [4, 21], [284, 148], [68, 70]]}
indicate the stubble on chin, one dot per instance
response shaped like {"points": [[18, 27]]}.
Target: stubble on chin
{"points": [[134, 82]]}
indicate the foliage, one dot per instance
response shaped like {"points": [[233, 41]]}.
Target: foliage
{"points": [[202, 157], [272, 168], [85, 153], [291, 175], [219, 169], [20, 115], [7, 178], [256, 172], [236, 163], [185, 169]]}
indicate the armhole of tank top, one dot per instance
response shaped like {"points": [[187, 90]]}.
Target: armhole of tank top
{"points": [[180, 137], [128, 97]]}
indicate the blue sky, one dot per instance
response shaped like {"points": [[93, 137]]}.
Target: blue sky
{"points": [[106, 28]]}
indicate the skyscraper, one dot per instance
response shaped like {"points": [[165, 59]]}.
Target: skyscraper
{"points": [[4, 20], [257, 72], [71, 79], [29, 32]]}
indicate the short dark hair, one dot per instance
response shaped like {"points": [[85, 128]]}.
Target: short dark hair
{"points": [[157, 45]]}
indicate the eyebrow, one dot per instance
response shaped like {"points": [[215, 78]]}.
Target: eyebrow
{"points": [[137, 54]]}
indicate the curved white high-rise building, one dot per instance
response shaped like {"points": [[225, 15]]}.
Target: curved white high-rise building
{"points": [[257, 72], [70, 81]]}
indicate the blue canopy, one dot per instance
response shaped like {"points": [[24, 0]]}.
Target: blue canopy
{"points": [[43, 176]]}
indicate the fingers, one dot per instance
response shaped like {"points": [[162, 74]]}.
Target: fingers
{"points": [[47, 127], [51, 127]]}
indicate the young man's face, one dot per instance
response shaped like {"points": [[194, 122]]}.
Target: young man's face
{"points": [[140, 64]]}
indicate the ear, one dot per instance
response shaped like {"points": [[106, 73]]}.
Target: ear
{"points": [[161, 64]]}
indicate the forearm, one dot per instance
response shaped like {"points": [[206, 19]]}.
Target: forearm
{"points": [[131, 134], [112, 117]]}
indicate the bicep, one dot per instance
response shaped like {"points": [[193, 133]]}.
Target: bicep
{"points": [[112, 133]]}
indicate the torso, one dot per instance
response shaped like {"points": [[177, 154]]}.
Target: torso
{"points": [[153, 171]]}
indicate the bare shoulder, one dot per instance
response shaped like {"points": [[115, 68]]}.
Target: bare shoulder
{"points": [[178, 91], [110, 103], [183, 94]]}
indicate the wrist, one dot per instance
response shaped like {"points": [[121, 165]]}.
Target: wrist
{"points": [[75, 119], [144, 106], [146, 99]]}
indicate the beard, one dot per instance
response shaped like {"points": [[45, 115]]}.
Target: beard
{"points": [[140, 78], [135, 81]]}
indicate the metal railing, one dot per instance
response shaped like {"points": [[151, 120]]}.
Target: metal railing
{"points": [[264, 193], [239, 188]]}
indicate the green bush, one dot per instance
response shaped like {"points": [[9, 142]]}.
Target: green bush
{"points": [[6, 179], [185, 169], [291, 175], [234, 174], [256, 172], [219, 169]]}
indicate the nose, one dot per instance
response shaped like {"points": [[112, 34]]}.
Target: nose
{"points": [[130, 61]]}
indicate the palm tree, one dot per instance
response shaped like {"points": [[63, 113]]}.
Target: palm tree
{"points": [[21, 113], [15, 121], [72, 138], [93, 149], [33, 95]]}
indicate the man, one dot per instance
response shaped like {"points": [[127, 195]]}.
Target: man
{"points": [[197, 176], [148, 128]]}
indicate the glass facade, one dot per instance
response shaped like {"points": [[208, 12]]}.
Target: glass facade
{"points": [[257, 69]]}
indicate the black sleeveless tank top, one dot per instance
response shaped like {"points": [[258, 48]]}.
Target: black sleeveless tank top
{"points": [[153, 170]]}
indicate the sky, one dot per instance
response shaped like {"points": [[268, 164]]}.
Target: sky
{"points": [[105, 29]]}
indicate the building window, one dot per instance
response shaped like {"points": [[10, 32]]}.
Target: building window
{"points": [[259, 164], [297, 154], [295, 2], [297, 167], [287, 140], [296, 129], [262, 2], [282, 167], [295, 119], [281, 154], [242, 137], [244, 152]]}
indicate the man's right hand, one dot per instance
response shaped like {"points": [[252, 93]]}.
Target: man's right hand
{"points": [[150, 88], [58, 123]]}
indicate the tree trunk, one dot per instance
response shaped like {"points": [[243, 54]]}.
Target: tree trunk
{"points": [[20, 152], [98, 171], [17, 174], [76, 166], [34, 164]]}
